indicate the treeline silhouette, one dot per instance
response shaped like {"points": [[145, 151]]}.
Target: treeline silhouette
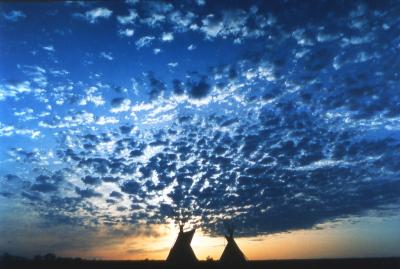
{"points": [[50, 261]]}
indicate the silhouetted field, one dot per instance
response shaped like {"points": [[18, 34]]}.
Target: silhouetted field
{"points": [[373, 263]]}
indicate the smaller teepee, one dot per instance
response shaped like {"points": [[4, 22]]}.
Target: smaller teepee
{"points": [[182, 253], [232, 253]]}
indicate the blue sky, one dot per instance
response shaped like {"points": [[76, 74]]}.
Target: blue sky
{"points": [[272, 116]]}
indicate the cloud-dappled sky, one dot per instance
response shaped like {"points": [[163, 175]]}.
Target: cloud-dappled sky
{"points": [[275, 116]]}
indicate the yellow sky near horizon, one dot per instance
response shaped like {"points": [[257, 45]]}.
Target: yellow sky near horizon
{"points": [[332, 240]]}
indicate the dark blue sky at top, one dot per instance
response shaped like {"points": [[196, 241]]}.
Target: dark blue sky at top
{"points": [[276, 115]]}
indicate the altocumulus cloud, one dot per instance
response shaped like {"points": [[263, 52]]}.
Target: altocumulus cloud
{"points": [[94, 15], [277, 135]]}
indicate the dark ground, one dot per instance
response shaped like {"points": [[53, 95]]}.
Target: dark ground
{"points": [[373, 263]]}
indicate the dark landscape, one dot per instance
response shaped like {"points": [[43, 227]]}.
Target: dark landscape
{"points": [[366, 263]]}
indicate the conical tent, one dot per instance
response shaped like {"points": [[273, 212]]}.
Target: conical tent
{"points": [[232, 253], [182, 252]]}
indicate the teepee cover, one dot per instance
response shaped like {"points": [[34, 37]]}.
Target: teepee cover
{"points": [[182, 252], [232, 253]]}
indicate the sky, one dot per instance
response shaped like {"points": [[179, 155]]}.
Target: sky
{"points": [[118, 119]]}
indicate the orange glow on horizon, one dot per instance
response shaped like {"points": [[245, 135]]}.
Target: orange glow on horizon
{"points": [[329, 242]]}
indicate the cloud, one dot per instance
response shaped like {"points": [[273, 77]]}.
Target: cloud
{"points": [[178, 87], [288, 134], [116, 195], [77, 3], [125, 129], [97, 100], [87, 193], [60, 73], [167, 37], [14, 15], [173, 64], [95, 14], [14, 90], [102, 120], [201, 2], [126, 32], [156, 51], [129, 19], [120, 105], [106, 55], [183, 21], [44, 187], [90, 180], [156, 86], [131, 2], [130, 187], [144, 41], [36, 73], [237, 24], [11, 130], [211, 26], [160, 7], [49, 48], [199, 89]]}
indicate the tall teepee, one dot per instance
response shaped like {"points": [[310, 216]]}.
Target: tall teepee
{"points": [[182, 252], [232, 253]]}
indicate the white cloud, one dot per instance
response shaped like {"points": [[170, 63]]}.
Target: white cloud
{"points": [[124, 106], [266, 72], [126, 32], [106, 55], [211, 27], [154, 20], [167, 37], [129, 19], [326, 37], [60, 101], [301, 37], [162, 107], [160, 119], [77, 3], [97, 100], [144, 41], [58, 73], [9, 130], [174, 64], [156, 51], [6, 130], [26, 114], [81, 118], [48, 48], [20, 87], [131, 2], [36, 72], [14, 15], [201, 2], [235, 23], [183, 22], [31, 133], [106, 120], [93, 15], [161, 7], [142, 107], [357, 40], [191, 47], [13, 90]]}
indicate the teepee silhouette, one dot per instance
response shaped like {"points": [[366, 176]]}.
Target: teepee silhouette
{"points": [[232, 253], [182, 252]]}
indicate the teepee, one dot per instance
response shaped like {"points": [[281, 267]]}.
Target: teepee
{"points": [[232, 253], [182, 252]]}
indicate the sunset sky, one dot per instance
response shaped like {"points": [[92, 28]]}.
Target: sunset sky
{"points": [[280, 118]]}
